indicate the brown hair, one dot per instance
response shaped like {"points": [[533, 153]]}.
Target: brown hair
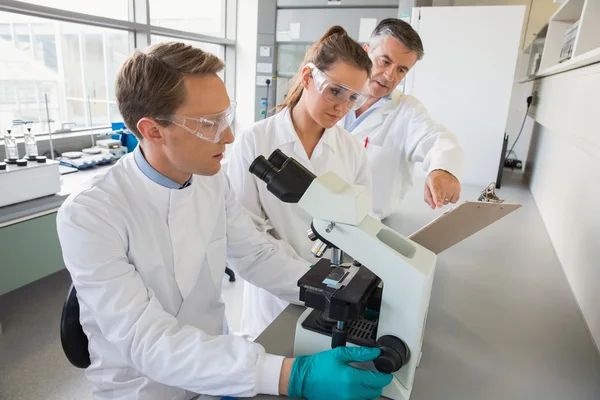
{"points": [[334, 46], [150, 83]]}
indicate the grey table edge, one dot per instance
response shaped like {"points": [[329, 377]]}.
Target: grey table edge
{"points": [[277, 339], [17, 212]]}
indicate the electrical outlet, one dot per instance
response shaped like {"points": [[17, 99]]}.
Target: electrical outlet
{"points": [[535, 98]]}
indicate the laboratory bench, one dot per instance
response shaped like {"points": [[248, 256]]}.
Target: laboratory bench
{"points": [[503, 323], [15, 213], [468, 367], [29, 245]]}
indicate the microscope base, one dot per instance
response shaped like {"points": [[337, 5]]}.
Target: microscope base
{"points": [[308, 342], [360, 332]]}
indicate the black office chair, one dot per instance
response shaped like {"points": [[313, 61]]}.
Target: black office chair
{"points": [[74, 342]]}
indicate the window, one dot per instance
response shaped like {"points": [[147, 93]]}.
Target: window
{"points": [[117, 9], [289, 58], [70, 67], [71, 64], [216, 49], [198, 16]]}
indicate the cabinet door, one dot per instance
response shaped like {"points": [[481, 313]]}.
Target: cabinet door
{"points": [[29, 251]]}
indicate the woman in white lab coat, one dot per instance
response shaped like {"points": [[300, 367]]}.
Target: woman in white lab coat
{"points": [[329, 84]]}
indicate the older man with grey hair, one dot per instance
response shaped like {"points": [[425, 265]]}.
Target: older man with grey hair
{"points": [[396, 129]]}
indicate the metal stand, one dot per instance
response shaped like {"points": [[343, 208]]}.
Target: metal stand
{"points": [[90, 121], [339, 335], [48, 120]]}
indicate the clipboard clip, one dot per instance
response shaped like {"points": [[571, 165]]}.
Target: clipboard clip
{"points": [[489, 194]]}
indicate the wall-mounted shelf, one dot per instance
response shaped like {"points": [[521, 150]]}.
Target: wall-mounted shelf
{"points": [[547, 56], [591, 57]]}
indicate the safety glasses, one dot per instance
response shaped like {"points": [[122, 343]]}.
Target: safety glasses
{"points": [[336, 92], [210, 127]]}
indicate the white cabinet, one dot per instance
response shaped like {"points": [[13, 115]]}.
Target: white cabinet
{"points": [[575, 24]]}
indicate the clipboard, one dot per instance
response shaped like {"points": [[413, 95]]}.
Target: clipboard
{"points": [[459, 223]]}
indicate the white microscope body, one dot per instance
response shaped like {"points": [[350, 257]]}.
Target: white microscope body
{"points": [[341, 216], [341, 219]]}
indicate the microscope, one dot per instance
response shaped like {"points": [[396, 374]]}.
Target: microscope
{"points": [[379, 300]]}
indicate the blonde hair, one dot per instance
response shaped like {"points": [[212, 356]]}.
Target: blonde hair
{"points": [[334, 46], [150, 83]]}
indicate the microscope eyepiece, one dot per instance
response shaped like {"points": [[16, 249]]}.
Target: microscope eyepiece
{"points": [[285, 177], [263, 169], [277, 158]]}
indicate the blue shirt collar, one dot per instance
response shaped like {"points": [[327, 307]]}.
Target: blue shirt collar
{"points": [[153, 174]]}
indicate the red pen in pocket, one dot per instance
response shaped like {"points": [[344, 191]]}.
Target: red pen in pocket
{"points": [[366, 142]]}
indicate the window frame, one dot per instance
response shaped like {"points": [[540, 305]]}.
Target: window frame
{"points": [[140, 31]]}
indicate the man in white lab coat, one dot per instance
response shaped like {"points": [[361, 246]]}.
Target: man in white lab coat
{"points": [[146, 246], [396, 129]]}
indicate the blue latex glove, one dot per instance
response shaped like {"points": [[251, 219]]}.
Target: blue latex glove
{"points": [[327, 375]]}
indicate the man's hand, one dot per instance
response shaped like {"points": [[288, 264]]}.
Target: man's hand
{"points": [[329, 375], [441, 188]]}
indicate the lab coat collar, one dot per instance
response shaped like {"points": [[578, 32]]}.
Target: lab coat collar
{"points": [[396, 97], [153, 174], [289, 135], [378, 116]]}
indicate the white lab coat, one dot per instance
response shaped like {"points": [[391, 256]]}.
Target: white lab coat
{"points": [[401, 133], [147, 263], [337, 151]]}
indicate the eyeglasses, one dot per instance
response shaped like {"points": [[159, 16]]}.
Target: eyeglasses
{"points": [[336, 92], [210, 127]]}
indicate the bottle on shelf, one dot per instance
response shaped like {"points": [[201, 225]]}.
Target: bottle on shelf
{"points": [[31, 149], [10, 145]]}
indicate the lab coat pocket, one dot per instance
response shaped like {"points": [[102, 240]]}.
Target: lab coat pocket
{"points": [[216, 255]]}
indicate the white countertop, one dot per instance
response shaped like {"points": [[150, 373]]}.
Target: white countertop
{"points": [[46, 205], [70, 183]]}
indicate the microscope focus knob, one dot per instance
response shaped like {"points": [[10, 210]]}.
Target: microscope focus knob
{"points": [[394, 354], [311, 235]]}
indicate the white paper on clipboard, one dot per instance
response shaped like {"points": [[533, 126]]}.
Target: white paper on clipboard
{"points": [[459, 223]]}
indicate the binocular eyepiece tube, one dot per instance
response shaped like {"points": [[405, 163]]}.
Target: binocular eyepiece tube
{"points": [[285, 177], [263, 169]]}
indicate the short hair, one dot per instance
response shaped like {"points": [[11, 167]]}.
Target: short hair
{"points": [[150, 82], [401, 31]]}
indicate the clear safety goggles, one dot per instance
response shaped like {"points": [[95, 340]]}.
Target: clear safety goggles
{"points": [[210, 127], [336, 92]]}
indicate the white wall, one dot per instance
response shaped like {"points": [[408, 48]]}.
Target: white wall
{"points": [[541, 11], [517, 111], [245, 69], [474, 102], [538, 12], [565, 180]]}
